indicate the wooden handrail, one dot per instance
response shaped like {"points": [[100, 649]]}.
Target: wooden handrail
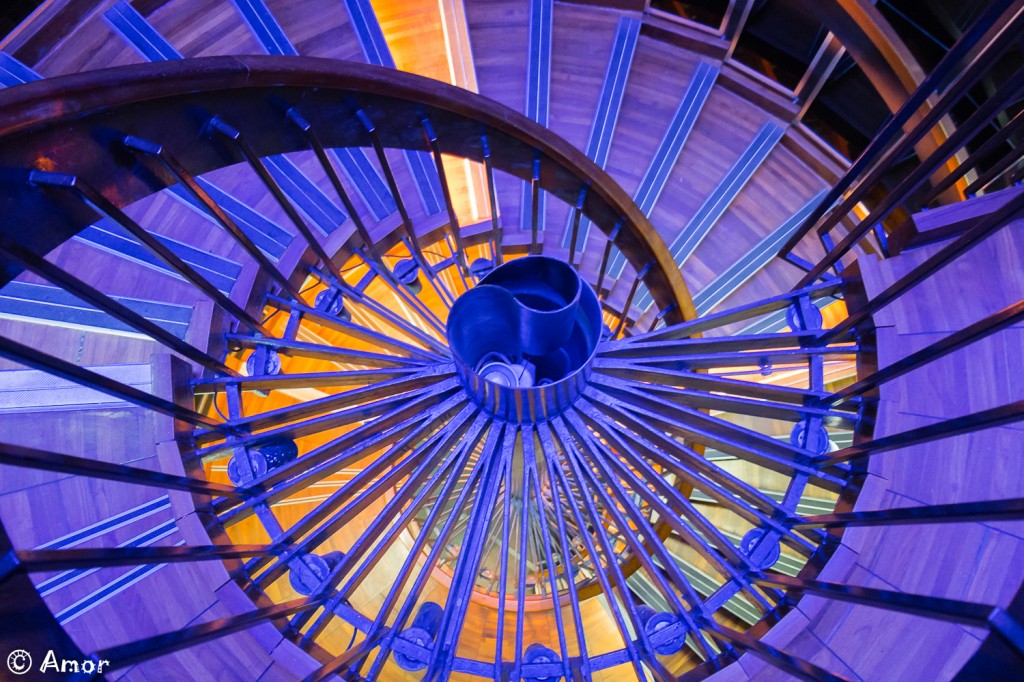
{"points": [[170, 102]]}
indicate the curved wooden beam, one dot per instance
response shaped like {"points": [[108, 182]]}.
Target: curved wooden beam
{"points": [[878, 50], [74, 124]]}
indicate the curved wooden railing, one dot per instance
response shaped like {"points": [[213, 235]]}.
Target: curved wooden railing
{"points": [[172, 104]]}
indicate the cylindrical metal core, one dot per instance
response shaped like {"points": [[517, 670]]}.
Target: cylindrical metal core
{"points": [[524, 339]]}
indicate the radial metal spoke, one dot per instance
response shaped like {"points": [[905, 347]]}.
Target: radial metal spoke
{"points": [[321, 462], [623, 369], [411, 384], [332, 175], [703, 400], [949, 610], [605, 256], [523, 536], [604, 480], [454, 230], [384, 653], [270, 382], [624, 315], [719, 434], [984, 327], [321, 351], [105, 207], [741, 313], [468, 565], [508, 448], [723, 554], [345, 659], [574, 599], [532, 489], [993, 618], [407, 296], [353, 330], [400, 461], [768, 360], [706, 476], [31, 458], [617, 579], [385, 411], [657, 350]]}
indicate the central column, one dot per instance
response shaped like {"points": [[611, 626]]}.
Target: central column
{"points": [[524, 339]]}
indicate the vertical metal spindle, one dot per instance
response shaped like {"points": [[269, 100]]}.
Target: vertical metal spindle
{"points": [[188, 181], [364, 234], [661, 316], [629, 299], [612, 236], [454, 230], [389, 177], [535, 204], [383, 311], [105, 207], [577, 213], [221, 127], [332, 175], [828, 244], [410, 234], [492, 195]]}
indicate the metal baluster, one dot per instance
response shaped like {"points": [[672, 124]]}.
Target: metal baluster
{"points": [[629, 300], [187, 180], [577, 213], [220, 126], [603, 270], [101, 204], [117, 310], [492, 196]]}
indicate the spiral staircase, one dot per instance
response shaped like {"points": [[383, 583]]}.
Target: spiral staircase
{"points": [[320, 365]]}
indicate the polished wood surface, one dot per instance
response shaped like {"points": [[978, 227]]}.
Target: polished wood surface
{"points": [[977, 562]]}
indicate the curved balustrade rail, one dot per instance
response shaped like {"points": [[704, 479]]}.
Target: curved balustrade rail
{"points": [[245, 102]]}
